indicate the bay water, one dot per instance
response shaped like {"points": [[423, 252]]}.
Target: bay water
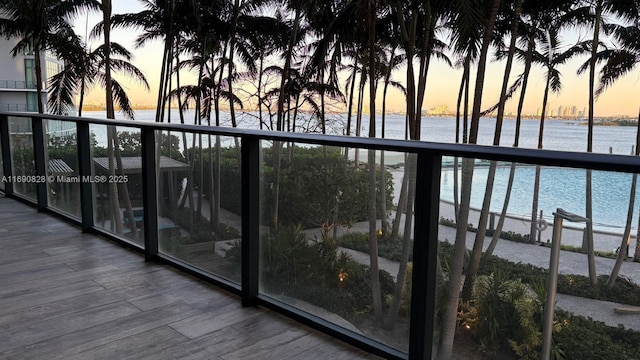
{"points": [[559, 187]]}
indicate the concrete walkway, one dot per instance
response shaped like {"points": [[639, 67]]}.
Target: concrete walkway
{"points": [[570, 262]]}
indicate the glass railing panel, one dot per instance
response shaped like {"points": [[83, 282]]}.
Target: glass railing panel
{"points": [[22, 156], [504, 296], [117, 181], [199, 194], [319, 237], [63, 177], [3, 180]]}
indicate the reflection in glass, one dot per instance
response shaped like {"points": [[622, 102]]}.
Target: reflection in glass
{"points": [[117, 181], [1, 167], [329, 220], [502, 264], [199, 205], [63, 180], [22, 156]]}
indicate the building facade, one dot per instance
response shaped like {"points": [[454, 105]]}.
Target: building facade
{"points": [[18, 78]]}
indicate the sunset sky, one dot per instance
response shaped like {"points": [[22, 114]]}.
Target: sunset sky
{"points": [[442, 86]]}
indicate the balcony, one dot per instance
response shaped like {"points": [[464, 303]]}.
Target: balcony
{"points": [[69, 295], [17, 84], [279, 221], [18, 108]]}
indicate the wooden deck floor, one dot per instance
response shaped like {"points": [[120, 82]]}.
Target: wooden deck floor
{"points": [[69, 295]]}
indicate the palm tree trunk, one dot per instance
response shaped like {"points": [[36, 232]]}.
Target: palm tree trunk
{"points": [[455, 276], [232, 43], [593, 276], [383, 174], [81, 100], [503, 214], [525, 80], [261, 69], [350, 106], [464, 84], [402, 204], [373, 241], [476, 255], [536, 184], [392, 316], [359, 114], [626, 237], [636, 255], [38, 68]]}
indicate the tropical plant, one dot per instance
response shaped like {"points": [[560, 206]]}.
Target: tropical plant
{"points": [[40, 26], [624, 10], [85, 70], [455, 275]]}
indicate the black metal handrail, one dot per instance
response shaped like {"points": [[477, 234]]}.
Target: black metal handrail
{"points": [[594, 161], [429, 157]]}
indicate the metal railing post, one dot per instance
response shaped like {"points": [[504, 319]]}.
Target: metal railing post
{"points": [[6, 153], [150, 193], [40, 161], [84, 171], [250, 175], [425, 255], [552, 283]]}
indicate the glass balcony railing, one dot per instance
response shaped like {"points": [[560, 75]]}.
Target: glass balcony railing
{"points": [[405, 249], [17, 84]]}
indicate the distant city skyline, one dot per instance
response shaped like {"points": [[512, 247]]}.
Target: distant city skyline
{"points": [[442, 84]]}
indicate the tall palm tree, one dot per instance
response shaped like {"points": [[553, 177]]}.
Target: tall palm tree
{"points": [[455, 275], [35, 23], [618, 62], [550, 58], [624, 10], [474, 263], [84, 70]]}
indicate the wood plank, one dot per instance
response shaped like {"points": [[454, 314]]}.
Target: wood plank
{"points": [[56, 327], [158, 338], [73, 343], [69, 295], [212, 321]]}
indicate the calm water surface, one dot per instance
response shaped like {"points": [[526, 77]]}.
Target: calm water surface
{"points": [[559, 188]]}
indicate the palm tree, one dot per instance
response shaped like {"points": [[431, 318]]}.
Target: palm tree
{"points": [[455, 275], [85, 70], [474, 263], [535, 13], [550, 58], [624, 10], [618, 62], [36, 23]]}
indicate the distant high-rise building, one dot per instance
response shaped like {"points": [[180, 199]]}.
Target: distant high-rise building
{"points": [[574, 111], [559, 111]]}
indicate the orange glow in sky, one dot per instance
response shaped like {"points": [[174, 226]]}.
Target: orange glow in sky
{"points": [[442, 86]]}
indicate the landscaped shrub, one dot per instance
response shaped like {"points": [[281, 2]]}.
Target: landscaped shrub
{"points": [[387, 248], [317, 184], [200, 229], [506, 235], [315, 272], [314, 186], [582, 338]]}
